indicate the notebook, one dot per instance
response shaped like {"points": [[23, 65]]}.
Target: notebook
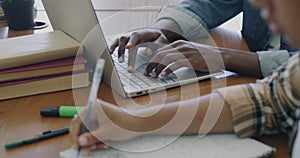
{"points": [[210, 146], [77, 18]]}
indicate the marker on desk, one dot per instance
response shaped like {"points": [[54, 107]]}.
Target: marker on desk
{"points": [[60, 111], [45, 135]]}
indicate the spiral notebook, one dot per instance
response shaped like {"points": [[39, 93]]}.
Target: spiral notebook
{"points": [[210, 146]]}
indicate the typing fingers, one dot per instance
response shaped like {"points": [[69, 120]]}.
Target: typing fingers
{"points": [[173, 62], [162, 60], [157, 44], [175, 66], [173, 45], [137, 42], [153, 63], [114, 45], [122, 44], [133, 41], [132, 58]]}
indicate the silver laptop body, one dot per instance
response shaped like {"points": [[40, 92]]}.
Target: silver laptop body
{"points": [[77, 18]]}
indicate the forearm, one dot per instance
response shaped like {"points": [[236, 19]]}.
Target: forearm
{"points": [[241, 62], [185, 117]]}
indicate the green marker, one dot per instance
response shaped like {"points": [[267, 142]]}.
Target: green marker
{"points": [[60, 111]]}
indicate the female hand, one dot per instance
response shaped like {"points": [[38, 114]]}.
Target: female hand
{"points": [[107, 123]]}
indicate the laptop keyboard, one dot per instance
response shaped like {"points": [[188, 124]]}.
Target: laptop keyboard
{"points": [[137, 80]]}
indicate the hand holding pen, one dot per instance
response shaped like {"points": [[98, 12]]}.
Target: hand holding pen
{"points": [[92, 96], [102, 119]]}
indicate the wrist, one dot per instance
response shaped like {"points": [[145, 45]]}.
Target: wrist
{"points": [[146, 120], [170, 29], [226, 56], [124, 118], [241, 62]]}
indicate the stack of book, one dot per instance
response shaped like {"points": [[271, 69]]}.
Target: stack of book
{"points": [[40, 63]]}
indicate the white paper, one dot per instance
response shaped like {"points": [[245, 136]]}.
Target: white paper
{"points": [[226, 74], [296, 146], [210, 146]]}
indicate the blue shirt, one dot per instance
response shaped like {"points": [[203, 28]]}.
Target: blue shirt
{"points": [[196, 17]]}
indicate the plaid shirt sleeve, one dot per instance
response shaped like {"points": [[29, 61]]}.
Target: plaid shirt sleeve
{"points": [[267, 106]]}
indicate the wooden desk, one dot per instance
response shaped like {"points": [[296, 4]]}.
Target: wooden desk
{"points": [[20, 118]]}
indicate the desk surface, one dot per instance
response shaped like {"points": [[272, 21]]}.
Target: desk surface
{"points": [[20, 118]]}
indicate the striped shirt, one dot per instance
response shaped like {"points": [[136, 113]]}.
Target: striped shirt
{"points": [[268, 106]]}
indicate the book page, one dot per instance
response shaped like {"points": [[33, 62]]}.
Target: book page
{"points": [[210, 146]]}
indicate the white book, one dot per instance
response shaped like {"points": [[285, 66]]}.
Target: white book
{"points": [[209, 146]]}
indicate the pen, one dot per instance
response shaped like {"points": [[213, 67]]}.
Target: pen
{"points": [[45, 135], [92, 96], [64, 130]]}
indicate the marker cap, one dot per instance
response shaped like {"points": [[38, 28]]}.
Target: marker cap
{"points": [[50, 111], [60, 111]]}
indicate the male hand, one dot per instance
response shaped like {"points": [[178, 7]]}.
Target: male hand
{"points": [[184, 54], [151, 38]]}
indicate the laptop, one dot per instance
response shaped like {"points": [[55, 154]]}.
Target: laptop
{"points": [[78, 19]]}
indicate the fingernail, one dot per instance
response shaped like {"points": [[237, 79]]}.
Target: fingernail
{"points": [[129, 45], [83, 141], [130, 69], [149, 51], [164, 74], [154, 75]]}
